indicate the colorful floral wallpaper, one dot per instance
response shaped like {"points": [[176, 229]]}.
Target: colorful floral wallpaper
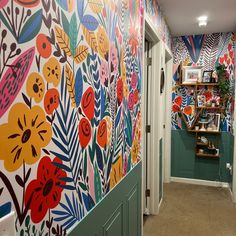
{"points": [[153, 9], [70, 82], [207, 51]]}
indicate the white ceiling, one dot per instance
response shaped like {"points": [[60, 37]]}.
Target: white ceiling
{"points": [[181, 16]]}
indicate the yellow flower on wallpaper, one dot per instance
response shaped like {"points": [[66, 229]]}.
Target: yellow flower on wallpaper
{"points": [[22, 138], [116, 172], [135, 149], [52, 71], [103, 41], [35, 87]]}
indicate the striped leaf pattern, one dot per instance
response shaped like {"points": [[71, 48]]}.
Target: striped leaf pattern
{"points": [[223, 44], [70, 80], [81, 54], [210, 51], [63, 40]]}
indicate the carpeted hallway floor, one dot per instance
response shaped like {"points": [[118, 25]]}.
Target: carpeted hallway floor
{"points": [[192, 210]]}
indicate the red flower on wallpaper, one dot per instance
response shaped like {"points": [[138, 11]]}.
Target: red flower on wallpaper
{"points": [[46, 189], [178, 100], [85, 132], [102, 133], [88, 103], [51, 101], [175, 108], [119, 91]]}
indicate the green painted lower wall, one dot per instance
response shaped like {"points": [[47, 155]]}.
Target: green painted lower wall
{"points": [[185, 164], [119, 213]]}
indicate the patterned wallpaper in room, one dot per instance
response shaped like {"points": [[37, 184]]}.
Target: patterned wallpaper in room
{"points": [[70, 82], [206, 51]]}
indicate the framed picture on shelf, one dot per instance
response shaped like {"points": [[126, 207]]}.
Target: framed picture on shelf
{"points": [[207, 75], [201, 100], [214, 122], [191, 74]]}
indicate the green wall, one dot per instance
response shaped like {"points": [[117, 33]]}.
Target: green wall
{"points": [[185, 164], [120, 211]]}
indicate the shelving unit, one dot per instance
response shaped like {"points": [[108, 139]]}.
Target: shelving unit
{"points": [[209, 149]]}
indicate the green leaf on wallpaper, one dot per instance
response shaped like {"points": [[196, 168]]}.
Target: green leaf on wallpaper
{"points": [[73, 34], [92, 149], [97, 184], [3, 19], [31, 27], [65, 23], [83, 186], [27, 221], [128, 129]]}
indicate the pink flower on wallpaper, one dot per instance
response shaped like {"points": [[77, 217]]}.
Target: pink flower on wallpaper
{"points": [[131, 101], [3, 3], [114, 59], [103, 73], [134, 80]]}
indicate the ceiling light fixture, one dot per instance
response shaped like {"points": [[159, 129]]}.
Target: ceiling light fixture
{"points": [[202, 21]]}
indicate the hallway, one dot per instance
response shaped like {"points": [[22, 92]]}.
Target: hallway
{"points": [[192, 210]]}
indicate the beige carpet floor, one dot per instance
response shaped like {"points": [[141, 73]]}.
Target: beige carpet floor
{"points": [[192, 210]]}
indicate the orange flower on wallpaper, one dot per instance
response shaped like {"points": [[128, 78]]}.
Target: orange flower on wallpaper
{"points": [[22, 138], [28, 3], [103, 42], [43, 46], [52, 71], [35, 87], [102, 133], [109, 129], [51, 100], [116, 172], [188, 110]]}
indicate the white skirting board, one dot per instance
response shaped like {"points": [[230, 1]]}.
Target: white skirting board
{"points": [[200, 182]]}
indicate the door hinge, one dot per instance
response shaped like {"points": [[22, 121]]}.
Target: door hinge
{"points": [[148, 128], [149, 61], [148, 192]]}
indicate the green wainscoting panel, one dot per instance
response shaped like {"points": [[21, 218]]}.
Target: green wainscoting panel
{"points": [[160, 169], [119, 213], [185, 164]]}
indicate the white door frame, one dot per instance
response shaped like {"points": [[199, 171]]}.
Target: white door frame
{"points": [[168, 103], [153, 180]]}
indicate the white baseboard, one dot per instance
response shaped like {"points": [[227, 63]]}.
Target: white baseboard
{"points": [[199, 182]]}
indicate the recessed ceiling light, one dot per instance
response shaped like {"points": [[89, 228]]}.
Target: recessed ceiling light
{"points": [[202, 18], [202, 21]]}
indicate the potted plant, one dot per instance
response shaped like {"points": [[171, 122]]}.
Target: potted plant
{"points": [[223, 78]]}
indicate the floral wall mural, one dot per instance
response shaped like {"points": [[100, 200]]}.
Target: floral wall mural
{"points": [[207, 51], [153, 10], [70, 82]]}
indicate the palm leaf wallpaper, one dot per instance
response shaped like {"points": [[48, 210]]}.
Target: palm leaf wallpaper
{"points": [[70, 83]]}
